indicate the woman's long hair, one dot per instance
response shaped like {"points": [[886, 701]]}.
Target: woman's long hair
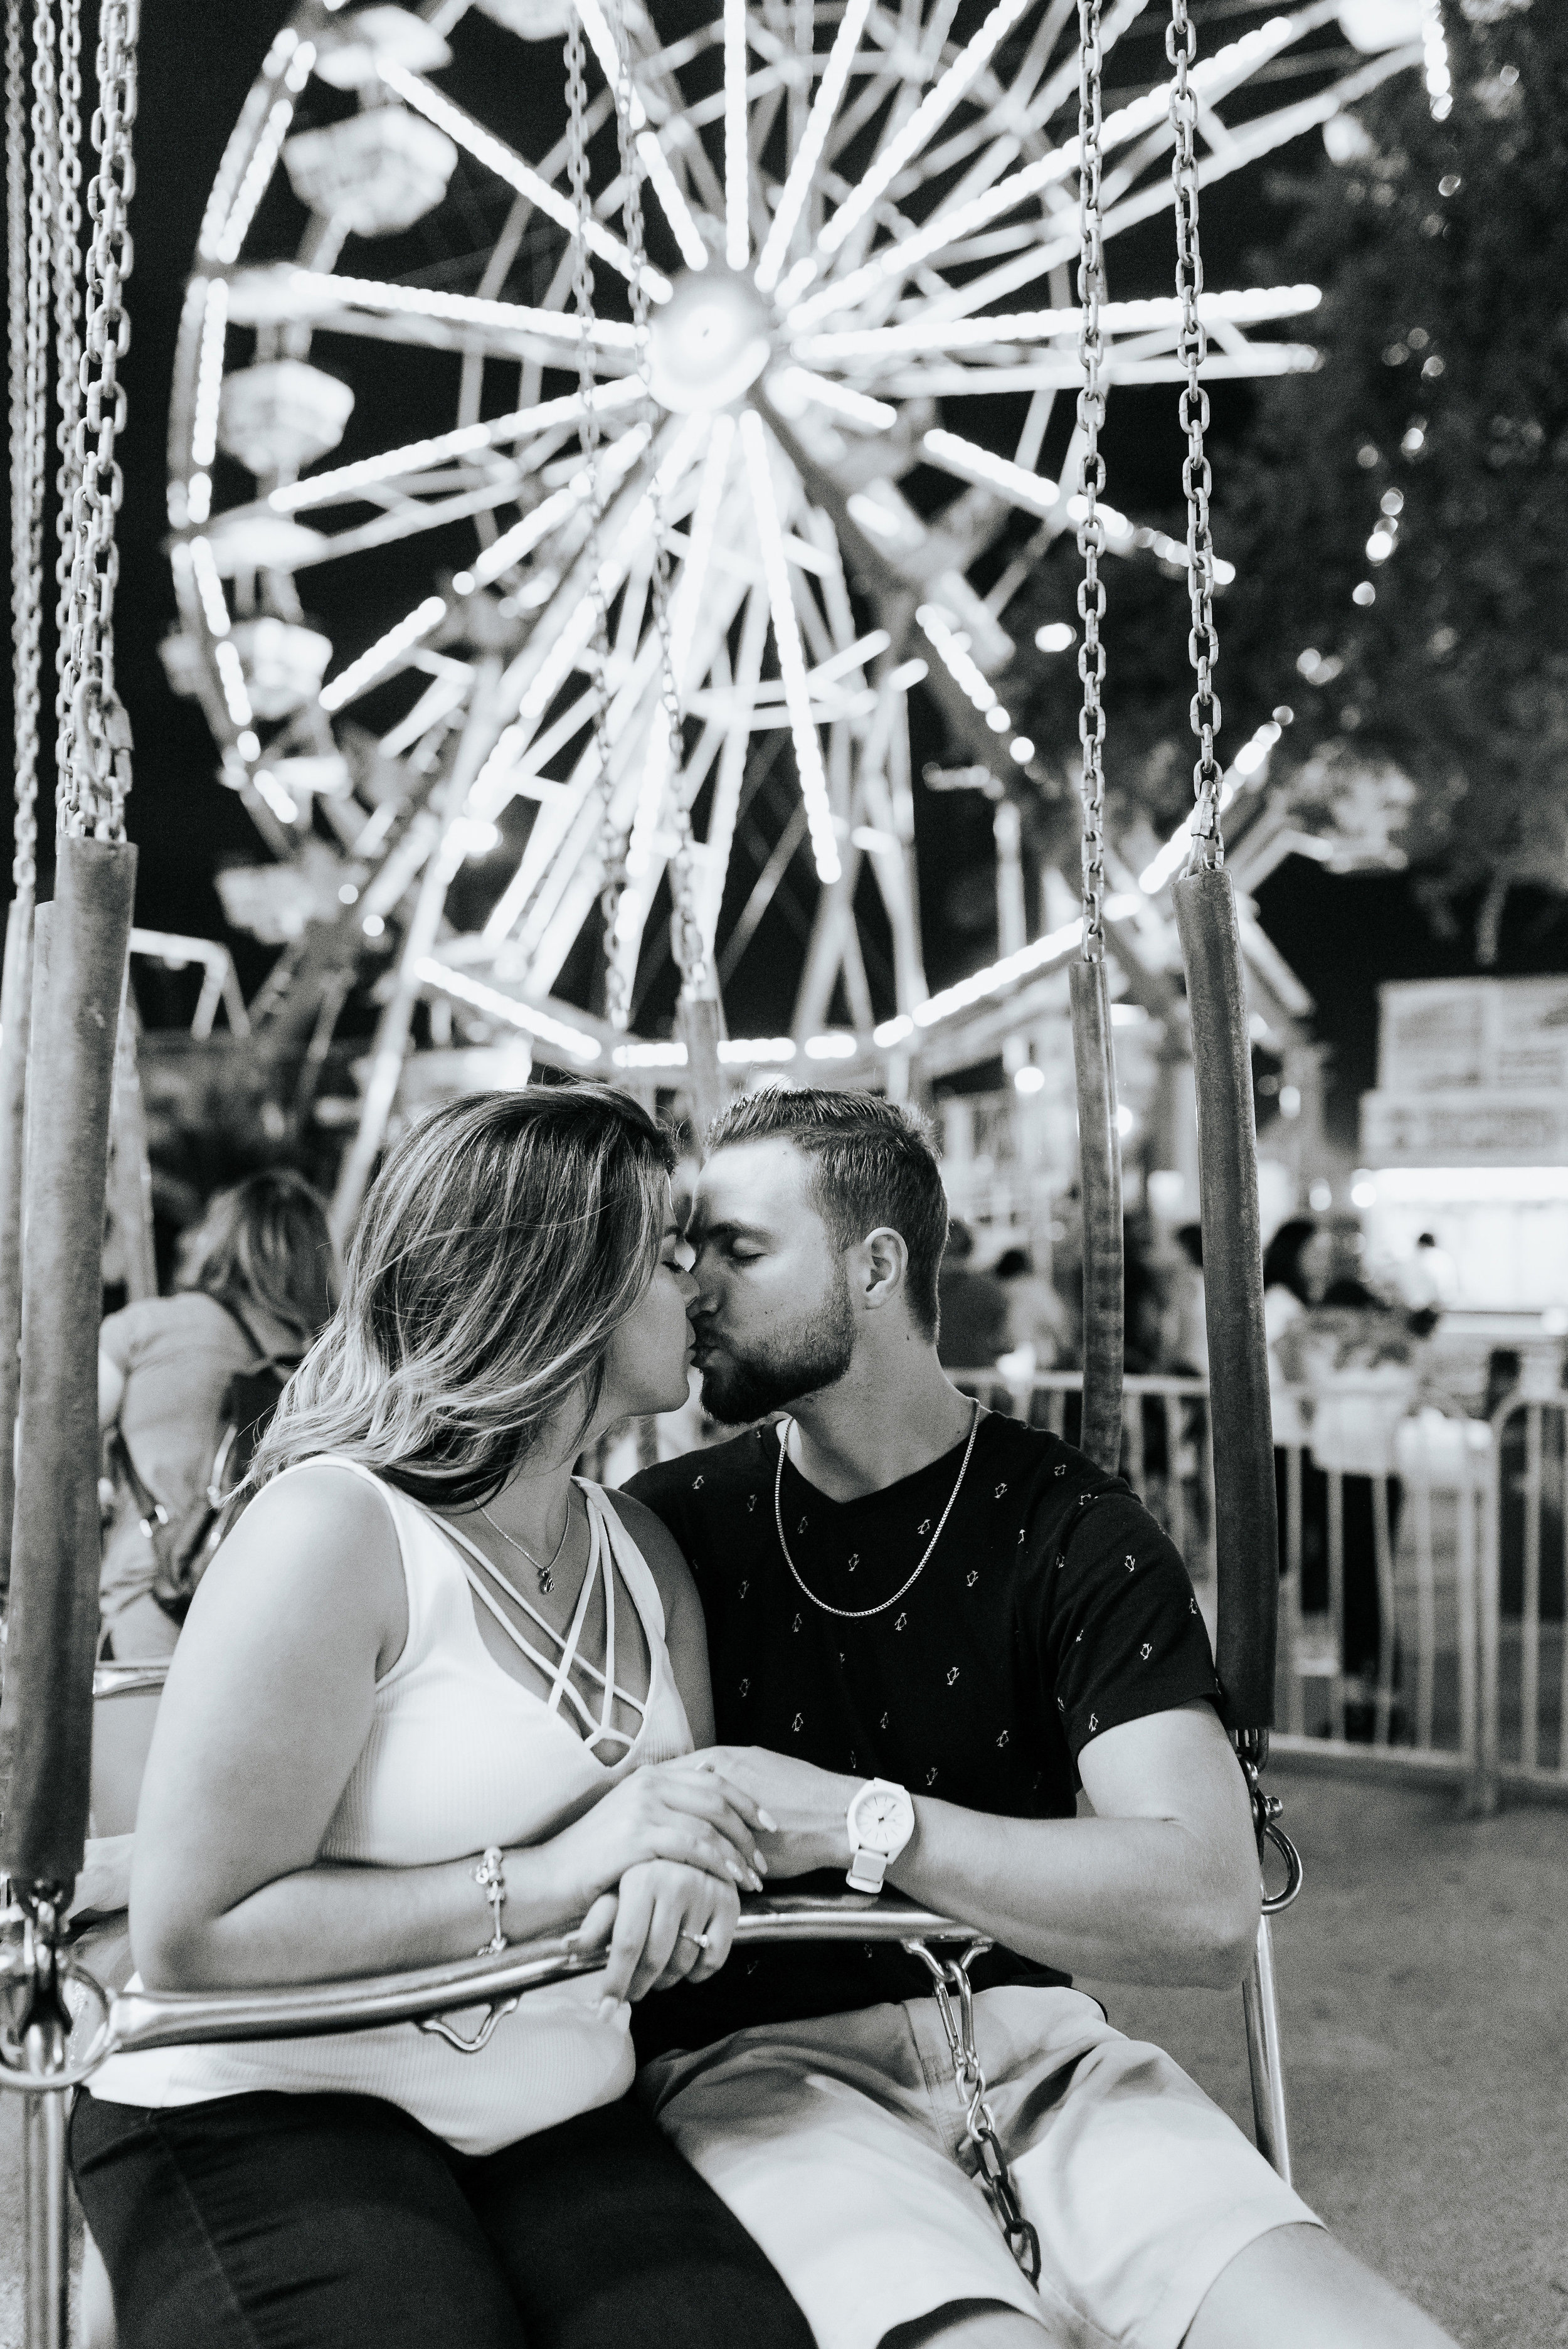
{"points": [[501, 1245], [266, 1243]]}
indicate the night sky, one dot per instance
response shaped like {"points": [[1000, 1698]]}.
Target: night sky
{"points": [[1342, 936]]}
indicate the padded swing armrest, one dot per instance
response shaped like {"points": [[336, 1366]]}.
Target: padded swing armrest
{"points": [[140, 2018]]}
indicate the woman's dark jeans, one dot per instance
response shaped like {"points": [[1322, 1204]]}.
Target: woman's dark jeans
{"points": [[330, 2221]]}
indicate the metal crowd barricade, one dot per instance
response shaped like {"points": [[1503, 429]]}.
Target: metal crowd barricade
{"points": [[1523, 1727]]}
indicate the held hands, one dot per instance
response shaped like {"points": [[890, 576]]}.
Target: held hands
{"points": [[673, 1812], [805, 1808], [666, 1923]]}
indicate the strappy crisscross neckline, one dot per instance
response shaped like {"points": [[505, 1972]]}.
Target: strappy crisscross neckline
{"points": [[600, 1572]]}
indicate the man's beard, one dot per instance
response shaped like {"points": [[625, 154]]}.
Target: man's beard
{"points": [[739, 1388]]}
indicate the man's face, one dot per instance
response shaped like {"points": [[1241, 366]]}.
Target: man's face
{"points": [[772, 1312]]}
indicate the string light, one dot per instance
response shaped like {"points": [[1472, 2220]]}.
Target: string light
{"points": [[806, 155], [416, 456], [257, 296], [1435, 61]]}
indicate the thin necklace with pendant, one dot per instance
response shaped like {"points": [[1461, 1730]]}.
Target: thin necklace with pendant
{"points": [[546, 1573], [859, 1614]]}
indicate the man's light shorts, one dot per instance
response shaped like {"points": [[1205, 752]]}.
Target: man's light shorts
{"points": [[837, 2144]]}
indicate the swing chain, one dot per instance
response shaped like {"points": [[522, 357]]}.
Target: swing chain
{"points": [[1193, 409], [68, 362], [613, 847], [1091, 479], [954, 1993], [92, 789], [32, 332], [686, 930]]}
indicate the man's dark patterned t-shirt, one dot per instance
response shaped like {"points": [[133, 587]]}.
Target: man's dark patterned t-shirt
{"points": [[1053, 1608]]}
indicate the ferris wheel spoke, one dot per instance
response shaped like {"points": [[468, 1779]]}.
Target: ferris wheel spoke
{"points": [[737, 142], [498, 156], [787, 641], [331, 302], [400, 465], [824, 106]]}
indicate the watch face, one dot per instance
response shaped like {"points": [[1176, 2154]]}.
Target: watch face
{"points": [[882, 1820]]}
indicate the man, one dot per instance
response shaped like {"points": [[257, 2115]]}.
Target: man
{"points": [[900, 1588]]}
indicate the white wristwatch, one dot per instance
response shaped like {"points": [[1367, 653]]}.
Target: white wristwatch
{"points": [[881, 1821]]}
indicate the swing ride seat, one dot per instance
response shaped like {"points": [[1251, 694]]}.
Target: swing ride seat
{"points": [[135, 2021]]}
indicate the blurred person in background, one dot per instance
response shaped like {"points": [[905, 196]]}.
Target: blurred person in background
{"points": [[1428, 1278], [1188, 1340], [972, 1307], [1035, 1322], [256, 1282]]}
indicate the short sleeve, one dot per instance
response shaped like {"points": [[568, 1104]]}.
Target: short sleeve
{"points": [[1122, 1636], [123, 1333]]}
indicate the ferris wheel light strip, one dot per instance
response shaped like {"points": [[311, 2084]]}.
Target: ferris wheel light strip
{"points": [[859, 406], [562, 656], [1245, 305], [379, 656], [665, 186], [928, 116], [791, 658], [510, 547], [231, 676], [952, 648], [499, 157], [572, 1041], [736, 152], [321, 290], [596, 27], [1210, 81], [1435, 70], [209, 374], [209, 586], [683, 625], [226, 244], [415, 456], [1038, 494], [825, 105]]}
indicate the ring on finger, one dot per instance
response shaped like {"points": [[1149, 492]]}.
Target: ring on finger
{"points": [[699, 1941]]}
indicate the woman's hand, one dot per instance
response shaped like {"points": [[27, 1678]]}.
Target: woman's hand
{"points": [[667, 1923], [666, 1811]]}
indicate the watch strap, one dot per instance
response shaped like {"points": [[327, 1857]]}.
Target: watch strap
{"points": [[867, 1870]]}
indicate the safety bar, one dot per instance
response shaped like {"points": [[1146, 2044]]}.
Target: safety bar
{"points": [[140, 2018]]}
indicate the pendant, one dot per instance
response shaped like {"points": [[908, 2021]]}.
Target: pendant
{"points": [[546, 1581]]}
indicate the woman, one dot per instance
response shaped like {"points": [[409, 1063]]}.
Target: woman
{"points": [[434, 1695], [257, 1280]]}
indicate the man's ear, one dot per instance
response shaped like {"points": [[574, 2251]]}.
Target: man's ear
{"points": [[881, 1269]]}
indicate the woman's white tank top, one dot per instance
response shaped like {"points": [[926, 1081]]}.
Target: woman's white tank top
{"points": [[460, 1755]]}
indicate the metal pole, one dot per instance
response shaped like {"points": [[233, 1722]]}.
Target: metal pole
{"points": [[1260, 2004], [45, 2198]]}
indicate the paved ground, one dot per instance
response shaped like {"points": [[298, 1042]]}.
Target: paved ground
{"points": [[1422, 1980]]}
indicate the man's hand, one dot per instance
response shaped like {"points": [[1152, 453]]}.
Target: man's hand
{"points": [[802, 1809]]}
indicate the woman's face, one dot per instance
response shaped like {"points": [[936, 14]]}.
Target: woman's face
{"points": [[648, 1357]]}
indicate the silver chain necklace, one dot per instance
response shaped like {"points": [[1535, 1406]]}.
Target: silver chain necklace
{"points": [[546, 1573], [859, 1614]]}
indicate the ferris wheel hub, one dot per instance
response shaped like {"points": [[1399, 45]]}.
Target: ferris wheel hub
{"points": [[710, 341]]}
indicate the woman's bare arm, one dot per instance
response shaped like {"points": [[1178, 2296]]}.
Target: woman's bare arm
{"points": [[267, 1708]]}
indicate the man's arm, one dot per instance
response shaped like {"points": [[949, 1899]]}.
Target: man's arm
{"points": [[1162, 1885]]}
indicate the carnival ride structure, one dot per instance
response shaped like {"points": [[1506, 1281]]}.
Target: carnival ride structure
{"points": [[682, 507]]}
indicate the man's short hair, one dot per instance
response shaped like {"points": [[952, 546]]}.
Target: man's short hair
{"points": [[874, 1166]]}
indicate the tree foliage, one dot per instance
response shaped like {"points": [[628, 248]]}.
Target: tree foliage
{"points": [[1399, 518]]}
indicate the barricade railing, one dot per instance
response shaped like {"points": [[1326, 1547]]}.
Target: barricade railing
{"points": [[1524, 1600], [1383, 1649]]}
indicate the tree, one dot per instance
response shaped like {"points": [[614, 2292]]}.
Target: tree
{"points": [[1399, 519]]}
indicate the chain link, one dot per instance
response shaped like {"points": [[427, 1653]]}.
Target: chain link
{"points": [[1091, 480], [68, 240], [92, 788], [16, 271], [1192, 407], [687, 938], [27, 582], [951, 1987], [612, 840]]}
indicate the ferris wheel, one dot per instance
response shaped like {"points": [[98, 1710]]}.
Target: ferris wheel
{"points": [[857, 232]]}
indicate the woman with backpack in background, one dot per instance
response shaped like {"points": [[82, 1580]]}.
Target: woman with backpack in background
{"points": [[186, 1385]]}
